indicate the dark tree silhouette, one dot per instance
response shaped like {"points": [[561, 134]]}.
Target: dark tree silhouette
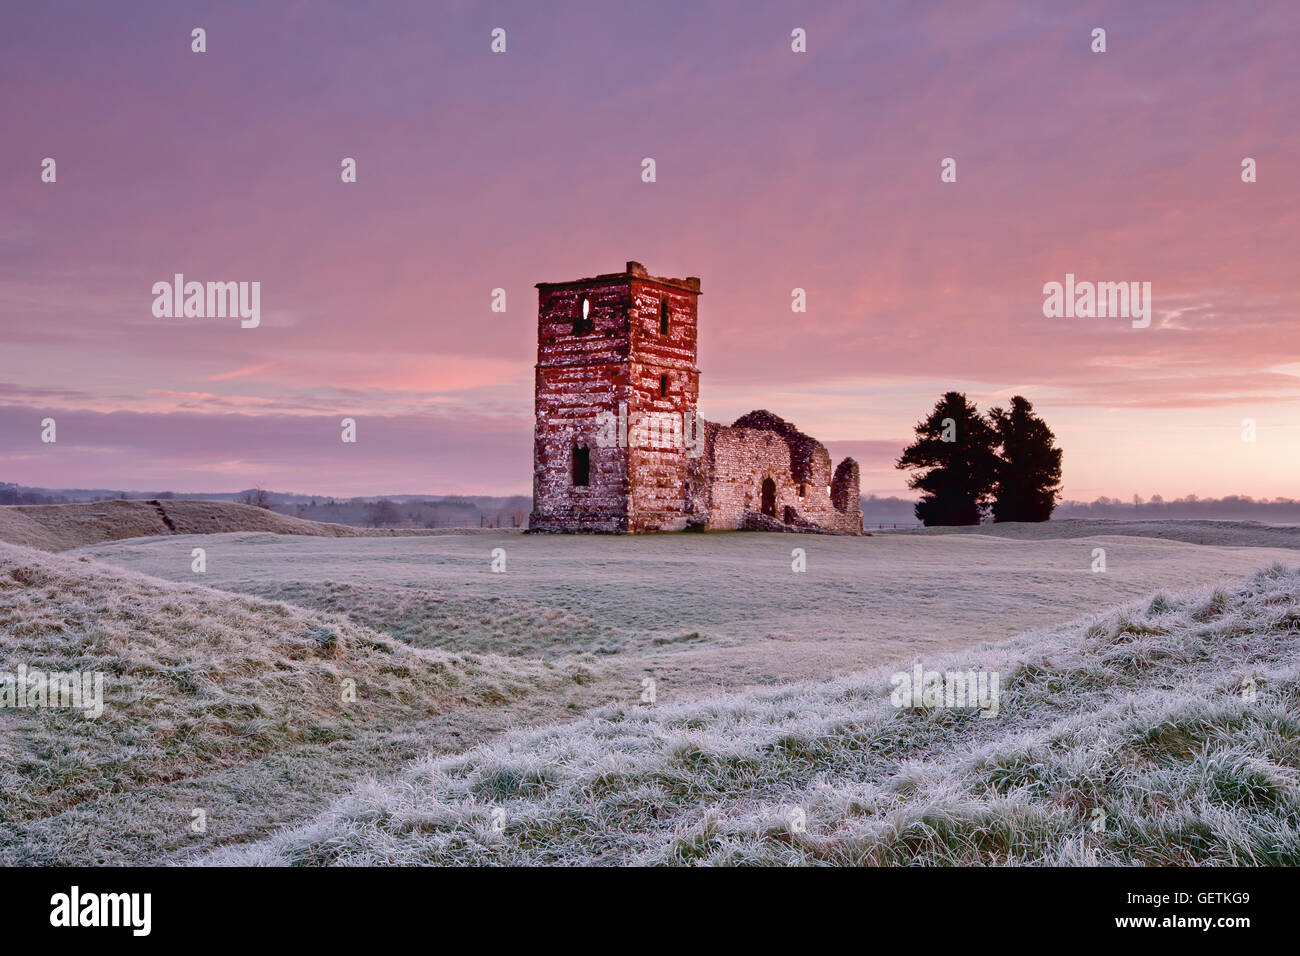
{"points": [[1028, 480], [955, 462]]}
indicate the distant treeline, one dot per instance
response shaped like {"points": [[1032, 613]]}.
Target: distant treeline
{"points": [[18, 495], [889, 512], [475, 511], [425, 512], [11, 494], [1231, 508]]}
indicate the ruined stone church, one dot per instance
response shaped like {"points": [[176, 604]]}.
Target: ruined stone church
{"points": [[618, 446]]}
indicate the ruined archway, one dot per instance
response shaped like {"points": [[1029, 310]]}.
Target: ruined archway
{"points": [[769, 497]]}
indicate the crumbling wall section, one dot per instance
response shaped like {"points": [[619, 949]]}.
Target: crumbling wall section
{"points": [[814, 497], [803, 448], [742, 459], [699, 477], [846, 493], [832, 502]]}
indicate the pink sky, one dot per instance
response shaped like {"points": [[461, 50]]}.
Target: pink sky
{"points": [[775, 170]]}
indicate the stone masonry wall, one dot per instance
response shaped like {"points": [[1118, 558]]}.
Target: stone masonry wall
{"points": [[615, 358], [581, 372], [742, 459], [662, 363], [634, 351]]}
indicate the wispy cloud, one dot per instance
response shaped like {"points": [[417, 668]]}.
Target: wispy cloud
{"points": [[775, 171]]}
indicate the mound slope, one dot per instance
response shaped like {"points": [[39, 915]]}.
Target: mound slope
{"points": [[195, 681], [62, 527]]}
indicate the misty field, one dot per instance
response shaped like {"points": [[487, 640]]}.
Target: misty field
{"points": [[697, 612], [669, 698]]}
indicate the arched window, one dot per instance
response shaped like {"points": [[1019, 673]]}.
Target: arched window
{"points": [[581, 466], [663, 385], [582, 320], [663, 316]]}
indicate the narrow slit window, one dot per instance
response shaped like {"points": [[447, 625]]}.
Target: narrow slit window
{"points": [[582, 321], [663, 385], [663, 316], [581, 466]]}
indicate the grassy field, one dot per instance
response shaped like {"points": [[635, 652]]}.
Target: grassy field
{"points": [[521, 692], [699, 613], [1124, 739]]}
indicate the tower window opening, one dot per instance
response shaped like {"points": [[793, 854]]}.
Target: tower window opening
{"points": [[582, 321], [581, 466], [663, 316], [663, 385]]}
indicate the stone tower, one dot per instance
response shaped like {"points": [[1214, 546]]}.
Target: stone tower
{"points": [[615, 369]]}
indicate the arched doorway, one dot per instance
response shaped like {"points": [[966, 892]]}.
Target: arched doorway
{"points": [[769, 497]]}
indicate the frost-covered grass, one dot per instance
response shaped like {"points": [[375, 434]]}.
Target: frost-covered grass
{"points": [[225, 701], [1137, 713], [1249, 534], [197, 683], [700, 612]]}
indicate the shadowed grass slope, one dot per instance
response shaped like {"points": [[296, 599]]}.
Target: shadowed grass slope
{"points": [[197, 680], [1121, 739]]}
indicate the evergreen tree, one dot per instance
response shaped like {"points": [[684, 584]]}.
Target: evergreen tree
{"points": [[1029, 469], [955, 464]]}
